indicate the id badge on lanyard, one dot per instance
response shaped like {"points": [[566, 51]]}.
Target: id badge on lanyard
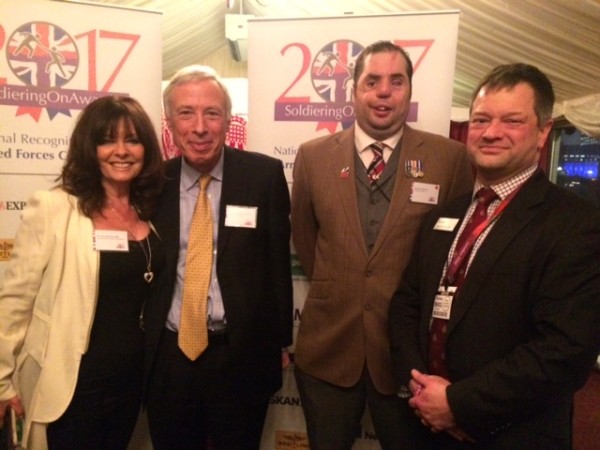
{"points": [[442, 304]]}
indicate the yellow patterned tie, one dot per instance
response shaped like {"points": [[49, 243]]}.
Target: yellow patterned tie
{"points": [[193, 333]]}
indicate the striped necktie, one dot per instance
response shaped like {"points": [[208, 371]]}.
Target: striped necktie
{"points": [[377, 165]]}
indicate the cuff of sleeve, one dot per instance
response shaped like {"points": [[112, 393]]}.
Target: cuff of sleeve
{"points": [[403, 392]]}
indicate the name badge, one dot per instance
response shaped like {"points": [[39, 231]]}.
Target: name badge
{"points": [[241, 216], [442, 303], [425, 193], [445, 224], [111, 240]]}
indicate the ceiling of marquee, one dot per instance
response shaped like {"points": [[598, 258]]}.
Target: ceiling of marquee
{"points": [[561, 37]]}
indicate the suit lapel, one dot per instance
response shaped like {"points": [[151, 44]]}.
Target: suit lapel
{"points": [[342, 160], [231, 191], [438, 245], [409, 149], [517, 215], [166, 220]]}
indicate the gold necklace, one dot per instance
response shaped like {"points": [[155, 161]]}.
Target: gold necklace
{"points": [[148, 275]]}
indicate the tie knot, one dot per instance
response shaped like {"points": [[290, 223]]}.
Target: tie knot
{"points": [[377, 148], [485, 196], [204, 181]]}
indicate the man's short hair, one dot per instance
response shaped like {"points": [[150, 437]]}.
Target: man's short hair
{"points": [[509, 75], [190, 74], [381, 47]]}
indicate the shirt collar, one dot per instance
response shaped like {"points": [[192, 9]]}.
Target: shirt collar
{"points": [[189, 175], [505, 188], [362, 140]]}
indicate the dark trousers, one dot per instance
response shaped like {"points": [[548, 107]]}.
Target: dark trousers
{"points": [[193, 402], [101, 416], [333, 415]]}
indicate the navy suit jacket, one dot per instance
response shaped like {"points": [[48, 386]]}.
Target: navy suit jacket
{"points": [[525, 326], [253, 268]]}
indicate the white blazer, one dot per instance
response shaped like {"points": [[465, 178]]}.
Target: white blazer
{"points": [[47, 304]]}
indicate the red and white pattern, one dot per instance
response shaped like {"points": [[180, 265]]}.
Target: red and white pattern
{"points": [[377, 165]]}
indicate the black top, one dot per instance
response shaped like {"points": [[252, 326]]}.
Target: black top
{"points": [[116, 340]]}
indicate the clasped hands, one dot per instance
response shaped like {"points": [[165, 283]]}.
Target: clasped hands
{"points": [[430, 404]]}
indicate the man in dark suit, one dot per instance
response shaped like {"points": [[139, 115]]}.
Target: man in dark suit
{"points": [[353, 226], [221, 395], [494, 355]]}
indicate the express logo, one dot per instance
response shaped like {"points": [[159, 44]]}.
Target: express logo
{"points": [[42, 54], [332, 70], [12, 205]]}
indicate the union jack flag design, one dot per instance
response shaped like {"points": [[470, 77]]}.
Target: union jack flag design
{"points": [[332, 70], [42, 54]]}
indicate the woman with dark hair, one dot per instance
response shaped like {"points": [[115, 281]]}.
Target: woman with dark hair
{"points": [[73, 294]]}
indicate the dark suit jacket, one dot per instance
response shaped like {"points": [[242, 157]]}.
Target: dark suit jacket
{"points": [[253, 268], [344, 320], [525, 326]]}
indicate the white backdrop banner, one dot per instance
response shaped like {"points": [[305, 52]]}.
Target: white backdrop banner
{"points": [[300, 87], [55, 58]]}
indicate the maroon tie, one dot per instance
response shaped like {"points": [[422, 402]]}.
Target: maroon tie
{"points": [[377, 163], [437, 333]]}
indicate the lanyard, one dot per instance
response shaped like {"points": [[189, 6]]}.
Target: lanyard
{"points": [[461, 253]]}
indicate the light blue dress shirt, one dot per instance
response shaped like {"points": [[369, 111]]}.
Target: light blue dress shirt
{"points": [[188, 194]]}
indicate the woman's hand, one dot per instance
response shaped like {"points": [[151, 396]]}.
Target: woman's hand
{"points": [[15, 404]]}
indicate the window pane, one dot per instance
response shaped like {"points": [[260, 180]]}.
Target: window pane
{"points": [[578, 162]]}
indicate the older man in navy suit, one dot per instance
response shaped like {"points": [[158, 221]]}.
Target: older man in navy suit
{"points": [[220, 393]]}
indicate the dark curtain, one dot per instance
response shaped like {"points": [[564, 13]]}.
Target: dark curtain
{"points": [[458, 131]]}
